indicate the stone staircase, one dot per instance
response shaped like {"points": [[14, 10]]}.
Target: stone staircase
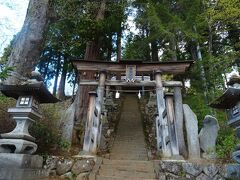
{"points": [[126, 170], [128, 157]]}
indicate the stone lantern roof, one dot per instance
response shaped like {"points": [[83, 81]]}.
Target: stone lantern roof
{"points": [[228, 100], [36, 89], [230, 97]]}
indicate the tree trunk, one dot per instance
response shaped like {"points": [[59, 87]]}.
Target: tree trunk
{"points": [[202, 70], [154, 50], [61, 87], [92, 49], [46, 70], [173, 48], [29, 42], [210, 39], [82, 97], [119, 45], [109, 48], [148, 49], [56, 75]]}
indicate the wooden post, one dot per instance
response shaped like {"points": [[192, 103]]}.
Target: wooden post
{"points": [[89, 122], [107, 91], [97, 130], [171, 124], [101, 86], [163, 140], [143, 90], [178, 107]]}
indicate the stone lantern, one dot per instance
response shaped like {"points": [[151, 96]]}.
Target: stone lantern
{"points": [[18, 146], [230, 101]]}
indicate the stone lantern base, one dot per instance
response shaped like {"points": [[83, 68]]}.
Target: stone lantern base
{"points": [[21, 167], [17, 146]]}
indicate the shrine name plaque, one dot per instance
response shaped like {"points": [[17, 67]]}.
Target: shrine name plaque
{"points": [[130, 73]]}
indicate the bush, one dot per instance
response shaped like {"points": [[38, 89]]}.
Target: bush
{"points": [[226, 142], [47, 131], [6, 123]]}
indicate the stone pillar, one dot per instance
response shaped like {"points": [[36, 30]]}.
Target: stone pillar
{"points": [[89, 122], [178, 108], [172, 124], [161, 122]]}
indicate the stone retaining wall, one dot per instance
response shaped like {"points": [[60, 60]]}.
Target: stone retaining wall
{"points": [[70, 168], [180, 170]]}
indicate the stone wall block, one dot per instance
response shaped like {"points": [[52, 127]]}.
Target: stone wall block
{"points": [[64, 165], [67, 176], [203, 176], [83, 176], [210, 170], [51, 162], [171, 176], [218, 177], [172, 167], [83, 165], [192, 169], [223, 171]]}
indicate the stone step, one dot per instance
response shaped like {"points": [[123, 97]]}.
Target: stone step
{"points": [[129, 143], [136, 149], [120, 178], [128, 174], [127, 162], [125, 153], [133, 167], [136, 140], [128, 147], [131, 151], [129, 158]]}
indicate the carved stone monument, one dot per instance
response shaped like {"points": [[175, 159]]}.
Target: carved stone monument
{"points": [[191, 124], [208, 137]]}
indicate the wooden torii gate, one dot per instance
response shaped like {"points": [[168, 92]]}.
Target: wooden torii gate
{"points": [[169, 121]]}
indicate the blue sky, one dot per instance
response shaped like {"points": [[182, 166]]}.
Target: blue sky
{"points": [[12, 15]]}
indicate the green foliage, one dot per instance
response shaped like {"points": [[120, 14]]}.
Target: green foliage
{"points": [[6, 124], [5, 72], [63, 144], [7, 51], [196, 101], [47, 132], [226, 142]]}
